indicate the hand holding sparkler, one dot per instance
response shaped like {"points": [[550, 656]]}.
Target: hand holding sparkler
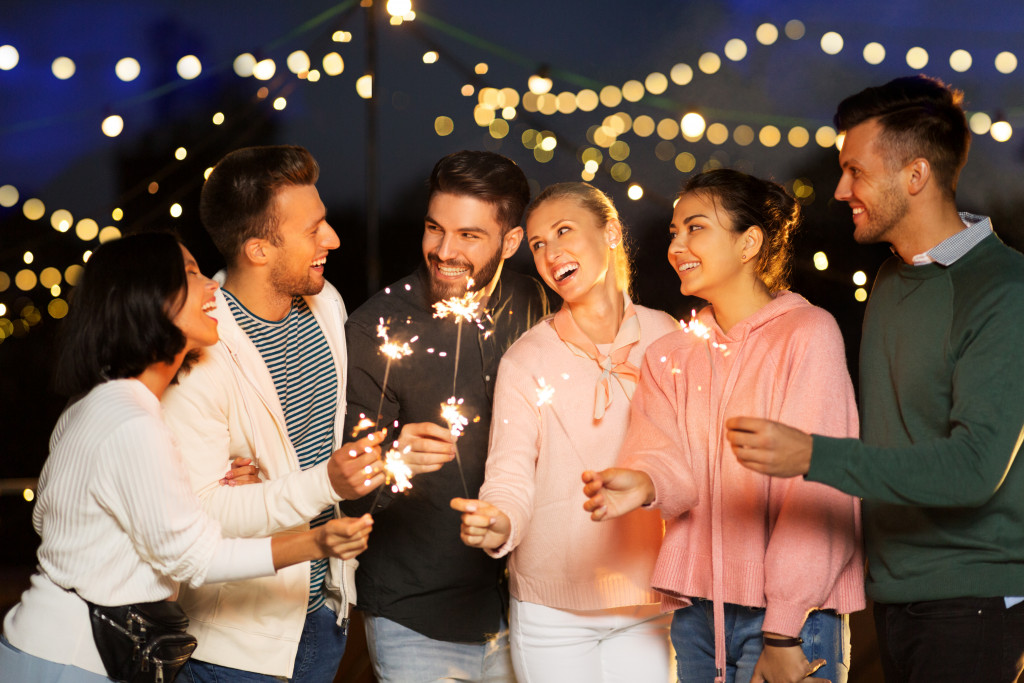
{"points": [[483, 525], [426, 446], [355, 469], [615, 492], [344, 538], [396, 473]]}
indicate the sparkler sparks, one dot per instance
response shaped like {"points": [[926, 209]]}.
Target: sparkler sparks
{"points": [[392, 351], [701, 331], [396, 471], [463, 307], [364, 423], [546, 392], [452, 414]]}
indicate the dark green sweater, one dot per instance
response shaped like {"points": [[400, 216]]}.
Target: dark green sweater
{"points": [[942, 410]]}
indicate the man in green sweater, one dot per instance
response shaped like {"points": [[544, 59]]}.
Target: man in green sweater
{"points": [[942, 398]]}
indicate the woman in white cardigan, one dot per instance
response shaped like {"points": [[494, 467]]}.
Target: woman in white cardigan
{"points": [[118, 521]]}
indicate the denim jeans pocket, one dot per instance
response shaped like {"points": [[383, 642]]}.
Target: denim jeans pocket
{"points": [[952, 608]]}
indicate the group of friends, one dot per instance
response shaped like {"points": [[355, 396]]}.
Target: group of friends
{"points": [[217, 451]]}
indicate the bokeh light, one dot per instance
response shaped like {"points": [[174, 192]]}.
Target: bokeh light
{"points": [[643, 126], [1001, 131], [1006, 62], [25, 280], [825, 136], [431, 57], [860, 294], [795, 29], [874, 53], [633, 91], [681, 74], [63, 68], [244, 64], [960, 60], [980, 123], [917, 58], [709, 63], [538, 84], [8, 57], [668, 129], [860, 278], [769, 136], [189, 67], [87, 229], [685, 162], [109, 233], [656, 83], [587, 100], [635, 192], [298, 62], [798, 136], [34, 209], [692, 126], [620, 172], [112, 126], [820, 261], [180, 153], [127, 69], [61, 220], [610, 96], [831, 43], [280, 103], [49, 277], [218, 118], [264, 69], [364, 86], [8, 196], [57, 308], [73, 273], [481, 68], [28, 257], [743, 135], [767, 34], [175, 210], [443, 125], [333, 64], [717, 134], [735, 49]]}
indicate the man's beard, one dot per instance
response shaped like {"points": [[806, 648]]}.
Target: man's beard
{"points": [[446, 290], [290, 284], [887, 213]]}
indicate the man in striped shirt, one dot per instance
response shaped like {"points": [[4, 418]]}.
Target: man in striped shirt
{"points": [[272, 393]]}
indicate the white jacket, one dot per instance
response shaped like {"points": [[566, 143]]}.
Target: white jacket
{"points": [[227, 407]]}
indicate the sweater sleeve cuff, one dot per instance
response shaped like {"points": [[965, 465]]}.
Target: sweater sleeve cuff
{"points": [[237, 559], [784, 618], [325, 481], [509, 545]]}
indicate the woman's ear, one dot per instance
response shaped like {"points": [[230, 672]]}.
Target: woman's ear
{"points": [[752, 241], [613, 233]]}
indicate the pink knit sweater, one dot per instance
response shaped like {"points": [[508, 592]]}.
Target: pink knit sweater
{"points": [[733, 535], [559, 557]]}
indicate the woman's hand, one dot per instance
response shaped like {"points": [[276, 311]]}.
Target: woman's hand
{"points": [[616, 491], [346, 537], [243, 471], [784, 665], [355, 469], [483, 525]]}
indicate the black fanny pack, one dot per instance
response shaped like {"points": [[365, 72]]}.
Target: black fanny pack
{"points": [[142, 643]]}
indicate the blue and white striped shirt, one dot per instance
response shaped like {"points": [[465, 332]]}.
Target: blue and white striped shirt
{"points": [[300, 363]]}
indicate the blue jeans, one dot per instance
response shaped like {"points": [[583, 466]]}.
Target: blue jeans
{"points": [[826, 636], [320, 649], [401, 655]]}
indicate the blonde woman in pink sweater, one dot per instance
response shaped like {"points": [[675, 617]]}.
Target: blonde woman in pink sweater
{"points": [[582, 608], [762, 571]]}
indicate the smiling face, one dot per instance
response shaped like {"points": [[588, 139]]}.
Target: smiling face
{"points": [[192, 318], [872, 190], [570, 248], [303, 239], [706, 253], [462, 240]]}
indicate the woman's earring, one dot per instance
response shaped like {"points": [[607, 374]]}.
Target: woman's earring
{"points": [[612, 245]]}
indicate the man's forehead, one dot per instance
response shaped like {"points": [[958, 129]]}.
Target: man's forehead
{"points": [[462, 211]]}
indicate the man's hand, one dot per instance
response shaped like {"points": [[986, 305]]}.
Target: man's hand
{"points": [[769, 447], [615, 491], [483, 525], [784, 665], [243, 471], [346, 537], [430, 446], [355, 469]]}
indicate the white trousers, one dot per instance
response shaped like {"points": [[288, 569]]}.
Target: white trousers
{"points": [[622, 645]]}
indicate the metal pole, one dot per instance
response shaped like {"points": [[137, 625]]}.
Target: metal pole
{"points": [[372, 180]]}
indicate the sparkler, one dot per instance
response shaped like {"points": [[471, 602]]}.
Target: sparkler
{"points": [[393, 351], [457, 422], [396, 473], [463, 307], [546, 392], [702, 331]]}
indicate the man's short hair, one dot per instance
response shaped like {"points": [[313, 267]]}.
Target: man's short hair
{"points": [[487, 176], [237, 201], [919, 117]]}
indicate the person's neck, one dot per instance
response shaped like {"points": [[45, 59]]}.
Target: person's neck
{"points": [[254, 291], [737, 303], [599, 313], [924, 228], [158, 376]]}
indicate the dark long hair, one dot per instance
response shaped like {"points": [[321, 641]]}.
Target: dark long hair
{"points": [[120, 317]]}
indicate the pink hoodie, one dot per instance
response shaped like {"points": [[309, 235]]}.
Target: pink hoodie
{"points": [[733, 535]]}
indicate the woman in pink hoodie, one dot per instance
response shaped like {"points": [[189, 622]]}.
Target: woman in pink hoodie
{"points": [[762, 572]]}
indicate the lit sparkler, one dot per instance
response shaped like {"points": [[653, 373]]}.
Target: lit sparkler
{"points": [[392, 351], [397, 473], [701, 331], [463, 307], [364, 423], [452, 414]]}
